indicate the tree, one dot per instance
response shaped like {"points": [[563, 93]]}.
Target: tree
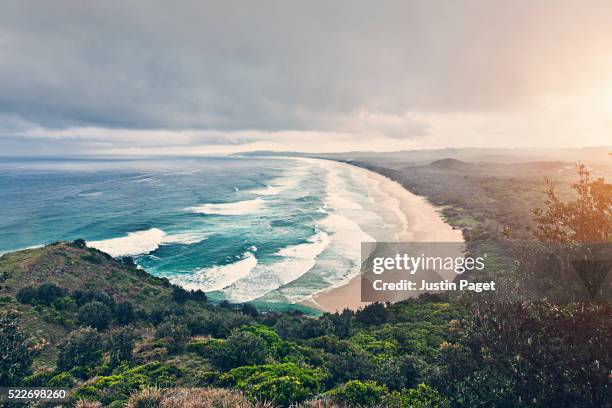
{"points": [[120, 346], [82, 348], [15, 357], [588, 219], [95, 314]]}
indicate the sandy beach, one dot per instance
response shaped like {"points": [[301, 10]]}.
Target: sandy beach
{"points": [[423, 223]]}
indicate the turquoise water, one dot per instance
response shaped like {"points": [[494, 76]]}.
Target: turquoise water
{"points": [[245, 229]]}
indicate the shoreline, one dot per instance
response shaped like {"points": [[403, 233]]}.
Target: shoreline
{"points": [[424, 223]]}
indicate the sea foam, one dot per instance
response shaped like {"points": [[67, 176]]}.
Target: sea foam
{"points": [[295, 261], [218, 277], [134, 243], [143, 242], [236, 208]]}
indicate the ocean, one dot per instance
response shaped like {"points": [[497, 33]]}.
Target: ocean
{"points": [[268, 230]]}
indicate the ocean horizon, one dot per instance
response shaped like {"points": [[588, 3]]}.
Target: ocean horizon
{"points": [[265, 230]]}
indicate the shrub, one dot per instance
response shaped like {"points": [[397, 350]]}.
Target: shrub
{"points": [[38, 379], [95, 314], [26, 295], [16, 358], [421, 396], [242, 348], [249, 310], [61, 380], [82, 349], [283, 384], [128, 262], [112, 389], [179, 295], [117, 389], [48, 292], [199, 296], [79, 243], [124, 313], [350, 365], [355, 392], [205, 348], [120, 345], [372, 314], [82, 297], [175, 333]]}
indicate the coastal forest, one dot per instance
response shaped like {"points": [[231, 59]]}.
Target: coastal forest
{"points": [[73, 317]]}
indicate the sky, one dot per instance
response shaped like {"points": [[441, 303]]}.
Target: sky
{"points": [[204, 77]]}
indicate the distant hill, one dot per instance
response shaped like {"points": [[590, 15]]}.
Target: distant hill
{"points": [[450, 164], [590, 155]]}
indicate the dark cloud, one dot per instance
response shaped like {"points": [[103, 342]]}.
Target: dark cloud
{"points": [[285, 65]]}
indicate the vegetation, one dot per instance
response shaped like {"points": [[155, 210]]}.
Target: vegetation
{"points": [[76, 318]]}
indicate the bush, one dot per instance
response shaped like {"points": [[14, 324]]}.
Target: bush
{"points": [[95, 314], [249, 310], [350, 365], [61, 380], [120, 346], [16, 358], [128, 262], [124, 313], [372, 314], [112, 389], [175, 333], [117, 389], [79, 243], [49, 292], [82, 349], [82, 297], [38, 379], [356, 392], [242, 348], [421, 396], [26, 295], [179, 295], [283, 384], [199, 296]]}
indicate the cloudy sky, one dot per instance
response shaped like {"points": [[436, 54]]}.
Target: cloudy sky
{"points": [[198, 77]]}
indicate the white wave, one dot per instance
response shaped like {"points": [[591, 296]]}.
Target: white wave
{"points": [[237, 208], [186, 238], [268, 190], [134, 243], [143, 242], [295, 261], [217, 277]]}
